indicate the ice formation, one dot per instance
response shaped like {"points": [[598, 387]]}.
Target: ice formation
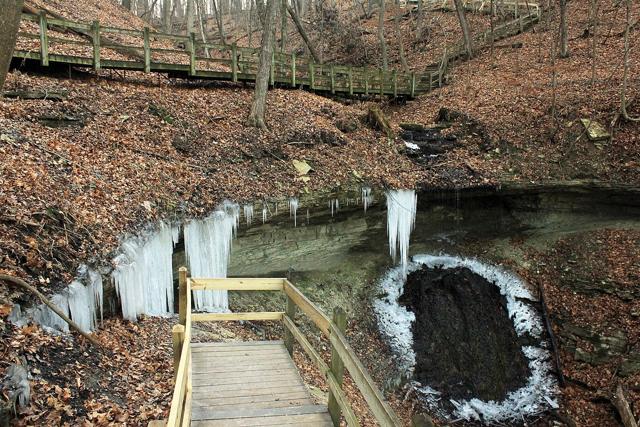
{"points": [[207, 245], [293, 210], [395, 323], [264, 213], [367, 198], [143, 274], [401, 217], [335, 206], [248, 214]]}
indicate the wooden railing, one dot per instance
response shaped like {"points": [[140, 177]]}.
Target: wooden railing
{"points": [[342, 355], [185, 56]]}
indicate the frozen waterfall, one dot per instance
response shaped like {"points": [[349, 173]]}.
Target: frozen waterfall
{"points": [[367, 198], [248, 214], [293, 210], [401, 217], [208, 248], [143, 274]]}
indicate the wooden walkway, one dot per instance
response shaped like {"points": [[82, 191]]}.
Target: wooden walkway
{"points": [[256, 383], [251, 383]]}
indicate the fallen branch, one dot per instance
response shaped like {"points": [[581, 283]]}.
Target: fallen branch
{"points": [[622, 405], [24, 285], [552, 337]]}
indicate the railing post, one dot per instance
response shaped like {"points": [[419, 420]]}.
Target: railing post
{"points": [[337, 366], [395, 83], [333, 79], [366, 81], [272, 71], [96, 45], [177, 334], [381, 83], [192, 54], [44, 40], [147, 50], [293, 69], [413, 84], [182, 295], [430, 80], [234, 62], [291, 314], [312, 75], [350, 80]]}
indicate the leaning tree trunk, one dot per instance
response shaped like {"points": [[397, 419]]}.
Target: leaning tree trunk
{"points": [[10, 13], [625, 77], [464, 25], [381, 39], [256, 116], [218, 15], [564, 32], [303, 34]]}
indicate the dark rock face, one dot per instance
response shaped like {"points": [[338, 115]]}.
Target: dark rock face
{"points": [[464, 341]]}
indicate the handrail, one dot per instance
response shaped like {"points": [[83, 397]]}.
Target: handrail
{"points": [[342, 355]]}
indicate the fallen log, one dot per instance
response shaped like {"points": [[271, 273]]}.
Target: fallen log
{"points": [[552, 337], [24, 285], [622, 405], [377, 120], [53, 95]]}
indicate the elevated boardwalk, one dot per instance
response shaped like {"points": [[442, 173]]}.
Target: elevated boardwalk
{"points": [[249, 384], [256, 383]]}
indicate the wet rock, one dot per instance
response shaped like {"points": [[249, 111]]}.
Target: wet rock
{"points": [[465, 342]]}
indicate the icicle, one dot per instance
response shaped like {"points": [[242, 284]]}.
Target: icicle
{"points": [[367, 198], [45, 317], [96, 289], [264, 213], [175, 234], [80, 304], [401, 216], [143, 275], [208, 249], [293, 210], [276, 208], [248, 214], [307, 216]]}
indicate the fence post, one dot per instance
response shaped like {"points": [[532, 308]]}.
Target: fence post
{"points": [[96, 45], [234, 62], [312, 74], [337, 366], [366, 80], [293, 69], [413, 84], [395, 83], [182, 295], [44, 40], [177, 334], [147, 50], [272, 71], [350, 80], [333, 78], [381, 83], [192, 54], [430, 81], [291, 314]]}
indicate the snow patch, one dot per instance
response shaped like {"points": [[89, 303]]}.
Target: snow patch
{"points": [[411, 145]]}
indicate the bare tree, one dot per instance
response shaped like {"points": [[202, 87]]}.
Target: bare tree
{"points": [[625, 78], [126, 4], [594, 33], [564, 31], [166, 16], [396, 21], [464, 25], [283, 24], [303, 34], [256, 116], [381, 39], [190, 15], [10, 13]]}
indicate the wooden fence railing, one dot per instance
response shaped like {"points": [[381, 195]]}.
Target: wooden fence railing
{"points": [[185, 56], [342, 355]]}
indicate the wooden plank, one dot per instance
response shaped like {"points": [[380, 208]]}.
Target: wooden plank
{"points": [[213, 368], [147, 50], [240, 387], [192, 54], [271, 399], [279, 360], [234, 62], [238, 284], [293, 69], [243, 374], [95, 35], [316, 420], [272, 403], [240, 352], [214, 414], [236, 343], [204, 380], [337, 366], [258, 315], [204, 393], [44, 41], [309, 308]]}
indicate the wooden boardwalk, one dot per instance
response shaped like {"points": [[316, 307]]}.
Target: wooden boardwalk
{"points": [[251, 383]]}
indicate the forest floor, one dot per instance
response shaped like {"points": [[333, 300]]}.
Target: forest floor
{"points": [[125, 150]]}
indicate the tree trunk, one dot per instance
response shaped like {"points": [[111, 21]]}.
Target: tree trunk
{"points": [[190, 15], [166, 16], [464, 25], [126, 4], [625, 77], [564, 32], [396, 21], [303, 34], [218, 16], [203, 34], [419, 20], [10, 14], [594, 33], [256, 116], [381, 40], [283, 24]]}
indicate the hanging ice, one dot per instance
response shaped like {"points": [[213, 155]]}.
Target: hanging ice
{"points": [[143, 274], [335, 205], [264, 213], [248, 214], [293, 210], [401, 217], [367, 198], [208, 248]]}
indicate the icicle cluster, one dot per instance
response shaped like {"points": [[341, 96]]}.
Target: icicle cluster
{"points": [[143, 274], [293, 210], [401, 217], [334, 204], [248, 214], [208, 248], [264, 212], [367, 198], [81, 301]]}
